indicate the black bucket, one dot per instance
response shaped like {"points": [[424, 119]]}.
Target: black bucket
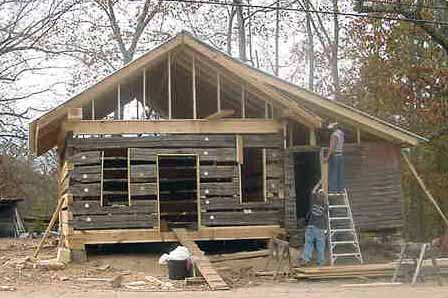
{"points": [[178, 269]]}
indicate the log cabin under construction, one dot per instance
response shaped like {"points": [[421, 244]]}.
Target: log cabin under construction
{"points": [[187, 136]]}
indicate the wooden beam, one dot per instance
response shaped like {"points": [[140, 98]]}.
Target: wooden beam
{"points": [[424, 188], [313, 139], [118, 116], [243, 102], [170, 114], [220, 114], [218, 91], [193, 82], [144, 93], [93, 109], [239, 150], [74, 114], [175, 126], [306, 117], [155, 235], [358, 135]]}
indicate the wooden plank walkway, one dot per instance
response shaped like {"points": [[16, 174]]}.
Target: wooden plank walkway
{"points": [[204, 265]]}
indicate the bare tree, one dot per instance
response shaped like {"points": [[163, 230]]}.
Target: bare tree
{"points": [[144, 17], [25, 32]]}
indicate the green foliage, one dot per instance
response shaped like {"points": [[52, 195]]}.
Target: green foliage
{"points": [[18, 178], [402, 77]]}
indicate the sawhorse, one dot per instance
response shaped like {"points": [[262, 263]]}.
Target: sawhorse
{"points": [[418, 253]]}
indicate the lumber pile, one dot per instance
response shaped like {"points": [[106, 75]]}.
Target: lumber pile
{"points": [[344, 271], [239, 256]]}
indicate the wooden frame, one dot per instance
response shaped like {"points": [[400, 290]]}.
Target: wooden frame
{"points": [[198, 181], [80, 238], [264, 174], [175, 126]]}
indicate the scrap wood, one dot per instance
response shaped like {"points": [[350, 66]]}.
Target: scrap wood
{"points": [[157, 281], [344, 268], [7, 288], [239, 256], [376, 284]]}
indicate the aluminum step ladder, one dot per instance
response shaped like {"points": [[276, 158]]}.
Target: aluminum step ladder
{"points": [[342, 238]]}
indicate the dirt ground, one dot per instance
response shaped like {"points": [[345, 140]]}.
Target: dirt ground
{"points": [[142, 276]]}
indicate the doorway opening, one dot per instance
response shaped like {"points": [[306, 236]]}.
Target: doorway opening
{"points": [[307, 175], [178, 191]]}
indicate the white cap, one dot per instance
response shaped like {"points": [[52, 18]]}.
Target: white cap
{"points": [[332, 125]]}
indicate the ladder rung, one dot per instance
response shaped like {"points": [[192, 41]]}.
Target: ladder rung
{"points": [[347, 255], [337, 206], [343, 242], [341, 230], [339, 218]]}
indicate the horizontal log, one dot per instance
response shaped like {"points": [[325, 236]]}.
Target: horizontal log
{"points": [[174, 126], [79, 169], [91, 207], [207, 154], [156, 141], [235, 204], [86, 190], [240, 218], [141, 189], [210, 189], [120, 221], [263, 141], [84, 177], [218, 171], [83, 158], [143, 171]]}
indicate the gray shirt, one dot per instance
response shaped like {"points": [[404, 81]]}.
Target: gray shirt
{"points": [[337, 138], [317, 214]]}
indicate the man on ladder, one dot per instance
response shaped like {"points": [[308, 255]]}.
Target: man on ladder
{"points": [[335, 159]]}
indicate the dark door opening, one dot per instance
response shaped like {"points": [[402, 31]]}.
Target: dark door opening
{"points": [[307, 175], [178, 196]]}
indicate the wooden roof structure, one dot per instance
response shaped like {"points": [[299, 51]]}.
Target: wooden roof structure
{"points": [[297, 103]]}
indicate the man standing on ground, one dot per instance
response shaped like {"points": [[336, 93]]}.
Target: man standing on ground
{"points": [[335, 159], [315, 230]]}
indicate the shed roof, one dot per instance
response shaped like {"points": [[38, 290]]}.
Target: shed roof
{"points": [[44, 129]]}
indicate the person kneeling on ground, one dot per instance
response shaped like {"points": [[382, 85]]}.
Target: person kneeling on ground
{"points": [[315, 231]]}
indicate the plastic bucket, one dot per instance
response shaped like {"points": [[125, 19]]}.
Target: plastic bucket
{"points": [[178, 269]]}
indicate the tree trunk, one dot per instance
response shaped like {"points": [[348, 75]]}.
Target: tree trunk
{"points": [[241, 31], [277, 33], [334, 52], [310, 47]]}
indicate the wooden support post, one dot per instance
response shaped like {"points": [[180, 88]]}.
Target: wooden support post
{"points": [[195, 112], [266, 110], [93, 109], [291, 136], [358, 136], [243, 102], [144, 93], [285, 136], [118, 116], [324, 171], [424, 188], [313, 139], [239, 149], [218, 91], [170, 115], [74, 114], [53, 220]]}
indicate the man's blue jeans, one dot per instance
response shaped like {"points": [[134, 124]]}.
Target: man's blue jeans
{"points": [[314, 236], [336, 175]]}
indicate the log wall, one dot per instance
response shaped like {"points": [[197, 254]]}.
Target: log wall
{"points": [[373, 179], [130, 200]]}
